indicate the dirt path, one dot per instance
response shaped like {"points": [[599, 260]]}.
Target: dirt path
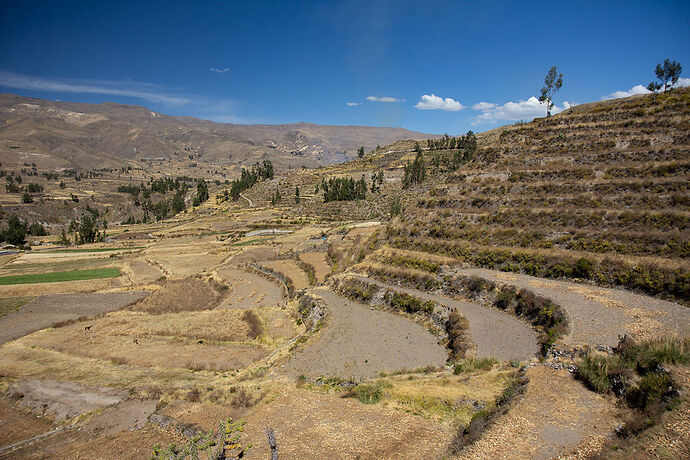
{"points": [[46, 310], [249, 290], [556, 416], [496, 334], [597, 316], [359, 343]]}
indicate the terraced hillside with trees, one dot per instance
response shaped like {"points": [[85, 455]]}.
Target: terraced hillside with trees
{"points": [[598, 193]]}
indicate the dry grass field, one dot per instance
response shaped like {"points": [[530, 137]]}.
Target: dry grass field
{"points": [[482, 320]]}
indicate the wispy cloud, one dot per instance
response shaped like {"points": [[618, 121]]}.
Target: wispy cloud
{"points": [[216, 70], [434, 102], [384, 99], [514, 111], [353, 104], [220, 110], [639, 89], [127, 88]]}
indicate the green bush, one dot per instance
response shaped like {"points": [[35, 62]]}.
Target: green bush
{"points": [[368, 393], [593, 370], [474, 364]]}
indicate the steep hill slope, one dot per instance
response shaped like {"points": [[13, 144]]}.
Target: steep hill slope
{"points": [[605, 182], [83, 136]]}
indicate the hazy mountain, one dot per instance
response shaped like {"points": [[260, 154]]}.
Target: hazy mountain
{"points": [[78, 135]]}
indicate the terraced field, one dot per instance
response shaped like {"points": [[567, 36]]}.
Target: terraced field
{"points": [[483, 320]]}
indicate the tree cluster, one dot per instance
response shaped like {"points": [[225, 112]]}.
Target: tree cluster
{"points": [[249, 177], [16, 231], [466, 142], [343, 189], [415, 172], [376, 181], [86, 230]]}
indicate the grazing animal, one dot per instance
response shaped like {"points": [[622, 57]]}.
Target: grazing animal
{"points": [[88, 328]]}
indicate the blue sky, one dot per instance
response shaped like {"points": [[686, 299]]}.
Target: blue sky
{"points": [[432, 66]]}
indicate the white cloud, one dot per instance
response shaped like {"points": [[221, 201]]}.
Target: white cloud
{"points": [[521, 110], [352, 104], [216, 70], [145, 91], [483, 106], [384, 99], [434, 102], [639, 89]]}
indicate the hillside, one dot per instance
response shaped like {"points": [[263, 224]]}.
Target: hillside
{"points": [[84, 136], [606, 181]]}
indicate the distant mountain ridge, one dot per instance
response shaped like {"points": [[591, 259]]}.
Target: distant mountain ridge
{"points": [[83, 136]]}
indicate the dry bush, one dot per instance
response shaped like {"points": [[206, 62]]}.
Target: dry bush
{"points": [[456, 327], [193, 395], [242, 399], [190, 294], [256, 328]]}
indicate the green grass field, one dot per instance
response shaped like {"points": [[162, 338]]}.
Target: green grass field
{"points": [[96, 249], [53, 277]]}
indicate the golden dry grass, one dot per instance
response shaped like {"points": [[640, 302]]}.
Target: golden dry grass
{"points": [[318, 260], [190, 294], [291, 270]]}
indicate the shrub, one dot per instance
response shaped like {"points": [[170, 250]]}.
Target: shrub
{"points": [[593, 370], [368, 393], [256, 328], [474, 364], [457, 340], [410, 304]]}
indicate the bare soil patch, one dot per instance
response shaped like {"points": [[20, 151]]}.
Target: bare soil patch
{"points": [[598, 316], [291, 270], [131, 414], [141, 272], [496, 334], [359, 343], [181, 295], [318, 260], [248, 290], [17, 424], [309, 424], [47, 310], [556, 415], [65, 400]]}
